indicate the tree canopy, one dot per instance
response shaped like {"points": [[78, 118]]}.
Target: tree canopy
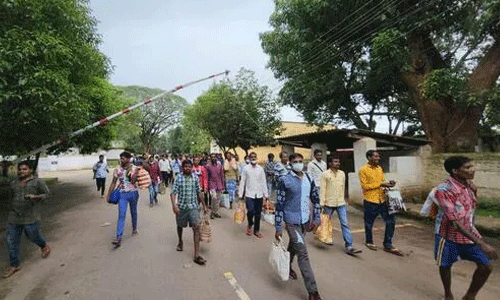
{"points": [[434, 63]]}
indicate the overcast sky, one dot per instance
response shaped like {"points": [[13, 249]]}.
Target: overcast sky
{"points": [[164, 43]]}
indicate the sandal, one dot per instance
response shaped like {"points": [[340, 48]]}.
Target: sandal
{"points": [[200, 261], [135, 232], [371, 246], [292, 274], [179, 247], [394, 251], [45, 251], [249, 230], [258, 234], [116, 243], [10, 271]]}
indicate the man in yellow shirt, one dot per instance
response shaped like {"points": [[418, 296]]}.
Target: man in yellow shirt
{"points": [[332, 198], [371, 177]]}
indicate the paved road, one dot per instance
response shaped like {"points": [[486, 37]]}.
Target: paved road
{"points": [[83, 266]]}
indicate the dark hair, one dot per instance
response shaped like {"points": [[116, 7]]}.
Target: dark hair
{"points": [[332, 157], [187, 162], [270, 155], [281, 154], [26, 163], [455, 162], [317, 151], [251, 153], [101, 156], [370, 153], [294, 155], [126, 154]]}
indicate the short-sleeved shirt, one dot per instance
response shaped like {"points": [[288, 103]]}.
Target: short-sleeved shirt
{"points": [[127, 179], [186, 188], [101, 170], [457, 203], [24, 210]]}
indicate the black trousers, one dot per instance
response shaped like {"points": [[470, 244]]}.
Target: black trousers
{"points": [[101, 184], [254, 208]]}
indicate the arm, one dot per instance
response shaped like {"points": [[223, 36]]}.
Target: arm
{"points": [[322, 196], [316, 206], [263, 184], [488, 249], [42, 191], [173, 197], [204, 179], [243, 180]]}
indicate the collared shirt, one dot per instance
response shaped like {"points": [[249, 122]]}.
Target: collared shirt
{"points": [[154, 172], [24, 210], [176, 166], [457, 202], [315, 169], [281, 170], [215, 175], [253, 182], [371, 178], [186, 188], [127, 179], [101, 170], [332, 190], [201, 172], [164, 165], [269, 169]]}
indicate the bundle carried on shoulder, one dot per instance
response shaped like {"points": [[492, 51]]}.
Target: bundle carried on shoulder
{"points": [[143, 179]]}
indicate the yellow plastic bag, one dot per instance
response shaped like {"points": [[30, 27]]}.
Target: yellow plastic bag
{"points": [[325, 230], [239, 214]]}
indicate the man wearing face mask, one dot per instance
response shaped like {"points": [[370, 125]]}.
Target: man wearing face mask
{"points": [[254, 187], [296, 191]]}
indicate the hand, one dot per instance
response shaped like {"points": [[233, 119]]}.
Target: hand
{"points": [[177, 211], [278, 235], [205, 209], [490, 251]]}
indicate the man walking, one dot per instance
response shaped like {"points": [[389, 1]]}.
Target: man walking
{"points": [[165, 169], [154, 172], [332, 198], [201, 172], [371, 177], [186, 197], [100, 173], [296, 192], [456, 236], [254, 188], [216, 183], [125, 180], [316, 167], [24, 217], [282, 167], [270, 179]]}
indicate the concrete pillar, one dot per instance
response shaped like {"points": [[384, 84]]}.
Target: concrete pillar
{"points": [[321, 147], [360, 148], [288, 149]]}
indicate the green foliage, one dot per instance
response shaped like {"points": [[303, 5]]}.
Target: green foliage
{"points": [[442, 84], [236, 113], [52, 75]]}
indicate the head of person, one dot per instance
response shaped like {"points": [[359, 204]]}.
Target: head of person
{"points": [[125, 158], [166, 155], [373, 157], [213, 157], [318, 154], [156, 157], [196, 160], [459, 167], [297, 162], [228, 155], [270, 157], [151, 158], [253, 158], [101, 158], [187, 167], [334, 162], [247, 159], [24, 169], [284, 158]]}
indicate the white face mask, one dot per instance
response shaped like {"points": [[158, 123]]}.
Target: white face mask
{"points": [[253, 161], [247, 161], [298, 166]]}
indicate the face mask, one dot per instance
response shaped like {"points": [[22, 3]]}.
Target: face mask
{"points": [[247, 161], [298, 166], [254, 162]]}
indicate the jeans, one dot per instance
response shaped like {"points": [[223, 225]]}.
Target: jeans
{"points": [[297, 246], [101, 183], [254, 212], [14, 233], [126, 198], [372, 210], [153, 193], [231, 186], [342, 213]]}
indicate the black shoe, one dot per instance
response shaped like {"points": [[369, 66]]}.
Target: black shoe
{"points": [[116, 243], [212, 216], [217, 216], [231, 205], [314, 296]]}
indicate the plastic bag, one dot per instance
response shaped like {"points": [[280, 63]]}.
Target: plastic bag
{"points": [[325, 230], [206, 231], [239, 214], [224, 201], [395, 201], [279, 259], [162, 188], [430, 207]]}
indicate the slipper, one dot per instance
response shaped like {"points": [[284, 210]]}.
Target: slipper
{"points": [[116, 243], [249, 230], [199, 260], [258, 234], [10, 271], [179, 247], [45, 251], [394, 251], [292, 274], [371, 246], [135, 232]]}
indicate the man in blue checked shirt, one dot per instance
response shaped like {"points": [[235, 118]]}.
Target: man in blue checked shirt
{"points": [[186, 197], [296, 191]]}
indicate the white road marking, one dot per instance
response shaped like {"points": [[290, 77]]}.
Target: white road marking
{"points": [[237, 288]]}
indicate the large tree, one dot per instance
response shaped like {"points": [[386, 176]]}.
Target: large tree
{"points": [[53, 78], [237, 113], [438, 60]]}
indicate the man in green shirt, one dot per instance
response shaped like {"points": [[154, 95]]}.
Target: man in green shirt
{"points": [[27, 192]]}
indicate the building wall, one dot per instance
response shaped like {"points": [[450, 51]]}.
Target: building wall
{"points": [[263, 151]]}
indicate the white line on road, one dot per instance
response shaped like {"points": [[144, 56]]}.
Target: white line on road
{"points": [[239, 290]]}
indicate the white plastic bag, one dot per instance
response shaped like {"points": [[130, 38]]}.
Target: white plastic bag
{"points": [[279, 259], [431, 206], [224, 201], [395, 201]]}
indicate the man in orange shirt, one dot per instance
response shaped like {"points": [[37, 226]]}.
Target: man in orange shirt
{"points": [[371, 177]]}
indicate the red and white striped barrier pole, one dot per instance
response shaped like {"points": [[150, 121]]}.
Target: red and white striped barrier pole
{"points": [[104, 121]]}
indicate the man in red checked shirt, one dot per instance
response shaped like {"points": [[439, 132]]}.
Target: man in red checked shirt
{"points": [[154, 172], [456, 235]]}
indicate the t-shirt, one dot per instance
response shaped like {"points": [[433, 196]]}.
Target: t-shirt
{"points": [[127, 179], [101, 170]]}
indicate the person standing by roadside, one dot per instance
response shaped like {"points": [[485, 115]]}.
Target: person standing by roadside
{"points": [[165, 169], [125, 180], [254, 188], [270, 179], [186, 198], [371, 177], [231, 176], [296, 193], [154, 172], [316, 167], [24, 217], [216, 184], [456, 236], [332, 198], [100, 173], [282, 167]]}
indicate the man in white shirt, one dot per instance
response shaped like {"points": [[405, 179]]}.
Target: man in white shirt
{"points": [[316, 167], [253, 187], [165, 169]]}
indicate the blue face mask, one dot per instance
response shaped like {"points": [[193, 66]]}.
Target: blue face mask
{"points": [[298, 166]]}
